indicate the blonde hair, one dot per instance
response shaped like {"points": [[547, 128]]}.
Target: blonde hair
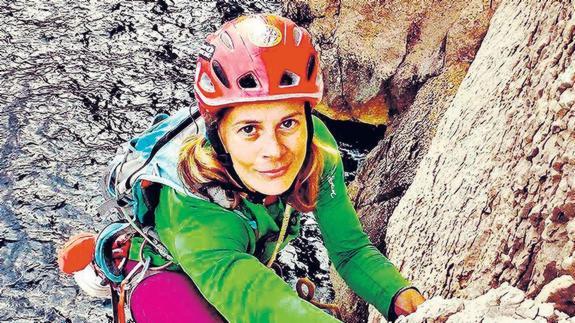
{"points": [[198, 166]]}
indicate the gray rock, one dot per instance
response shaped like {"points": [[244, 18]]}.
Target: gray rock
{"points": [[545, 310], [528, 309]]}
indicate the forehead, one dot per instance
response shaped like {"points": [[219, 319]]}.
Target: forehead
{"points": [[262, 111]]}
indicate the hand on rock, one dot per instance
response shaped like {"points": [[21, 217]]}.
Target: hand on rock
{"points": [[407, 302]]}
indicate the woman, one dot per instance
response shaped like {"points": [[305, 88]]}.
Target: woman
{"points": [[264, 155]]}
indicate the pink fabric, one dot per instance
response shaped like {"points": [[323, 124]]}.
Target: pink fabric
{"points": [[170, 297]]}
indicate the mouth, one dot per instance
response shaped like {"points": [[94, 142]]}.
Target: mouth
{"points": [[274, 173]]}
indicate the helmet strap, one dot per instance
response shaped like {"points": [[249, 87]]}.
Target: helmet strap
{"points": [[310, 131], [309, 121]]}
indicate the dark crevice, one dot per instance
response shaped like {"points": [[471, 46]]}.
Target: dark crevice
{"points": [[391, 194], [160, 8], [524, 278], [229, 9], [299, 12]]}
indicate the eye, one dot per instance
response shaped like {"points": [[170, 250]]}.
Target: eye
{"points": [[247, 130], [289, 124]]}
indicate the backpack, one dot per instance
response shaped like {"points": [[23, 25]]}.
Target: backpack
{"points": [[131, 185]]}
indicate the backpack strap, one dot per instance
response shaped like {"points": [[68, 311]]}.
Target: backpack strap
{"points": [[167, 137]]}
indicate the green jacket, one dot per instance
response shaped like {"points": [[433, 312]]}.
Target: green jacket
{"points": [[223, 250]]}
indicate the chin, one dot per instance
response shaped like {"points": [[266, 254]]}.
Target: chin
{"points": [[269, 186]]}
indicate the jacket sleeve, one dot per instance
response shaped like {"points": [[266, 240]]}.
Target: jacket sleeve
{"points": [[212, 246], [362, 266]]}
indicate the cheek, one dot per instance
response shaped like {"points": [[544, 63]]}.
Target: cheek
{"points": [[297, 146], [242, 152]]}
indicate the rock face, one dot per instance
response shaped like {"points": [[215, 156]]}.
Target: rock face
{"points": [[494, 196], [388, 56], [504, 304], [377, 55], [389, 168], [493, 200]]}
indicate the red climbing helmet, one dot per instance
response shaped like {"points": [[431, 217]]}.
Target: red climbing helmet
{"points": [[257, 58]]}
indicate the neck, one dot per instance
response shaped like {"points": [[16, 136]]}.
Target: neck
{"points": [[270, 199]]}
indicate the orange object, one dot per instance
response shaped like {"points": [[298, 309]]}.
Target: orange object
{"points": [[256, 58], [145, 183], [77, 253], [122, 304]]}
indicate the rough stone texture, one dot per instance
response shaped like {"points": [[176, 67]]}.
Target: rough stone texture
{"points": [[390, 167], [389, 170], [561, 292], [377, 55], [493, 200], [504, 304]]}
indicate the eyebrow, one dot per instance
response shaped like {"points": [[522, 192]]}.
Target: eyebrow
{"points": [[257, 121]]}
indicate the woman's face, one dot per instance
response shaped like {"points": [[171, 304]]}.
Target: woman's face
{"points": [[267, 143]]}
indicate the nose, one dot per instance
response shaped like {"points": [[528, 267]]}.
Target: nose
{"points": [[272, 148]]}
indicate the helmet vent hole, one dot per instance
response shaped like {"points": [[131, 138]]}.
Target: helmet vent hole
{"points": [[310, 66], [248, 81], [289, 79], [219, 71], [206, 84], [227, 40], [297, 36]]}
